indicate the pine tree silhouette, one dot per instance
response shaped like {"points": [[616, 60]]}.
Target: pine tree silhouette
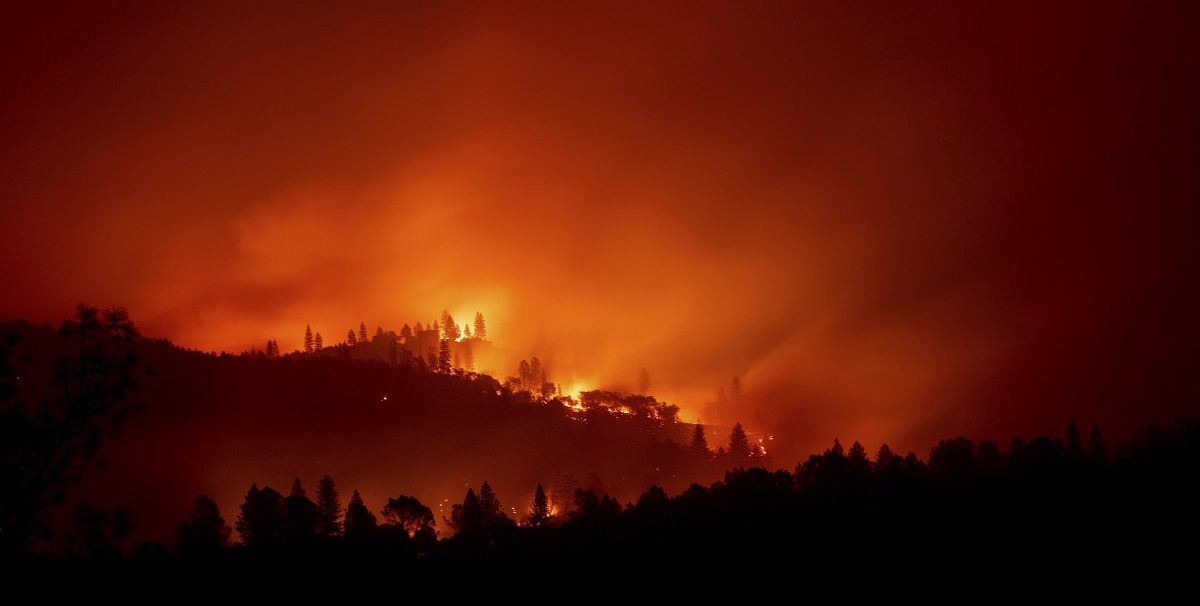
{"points": [[480, 327], [329, 508], [539, 514], [699, 441]]}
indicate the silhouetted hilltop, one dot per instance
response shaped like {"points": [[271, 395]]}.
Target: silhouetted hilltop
{"points": [[213, 424], [437, 470]]}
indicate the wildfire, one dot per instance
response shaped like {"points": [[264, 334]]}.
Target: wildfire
{"points": [[576, 388]]}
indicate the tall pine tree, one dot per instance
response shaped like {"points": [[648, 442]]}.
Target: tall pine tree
{"points": [[359, 520], [699, 442], [739, 444], [539, 515], [480, 327], [443, 360], [329, 508]]}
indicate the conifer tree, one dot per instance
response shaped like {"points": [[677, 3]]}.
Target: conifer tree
{"points": [[884, 458], [318, 342], [443, 360], [480, 327], [308, 339], [540, 513], [261, 520], [350, 337], [362, 332], [699, 442], [489, 505], [359, 520], [329, 508], [205, 533], [466, 517], [300, 515], [739, 444], [858, 457]]}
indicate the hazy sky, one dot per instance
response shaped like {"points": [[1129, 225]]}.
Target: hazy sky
{"points": [[903, 220]]}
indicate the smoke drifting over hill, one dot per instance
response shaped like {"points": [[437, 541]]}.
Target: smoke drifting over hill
{"points": [[902, 225]]}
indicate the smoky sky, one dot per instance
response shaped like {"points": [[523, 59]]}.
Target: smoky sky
{"points": [[894, 222]]}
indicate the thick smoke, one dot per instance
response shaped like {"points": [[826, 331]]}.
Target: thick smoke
{"points": [[894, 225]]}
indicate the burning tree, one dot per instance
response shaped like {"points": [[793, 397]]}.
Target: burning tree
{"points": [[628, 404]]}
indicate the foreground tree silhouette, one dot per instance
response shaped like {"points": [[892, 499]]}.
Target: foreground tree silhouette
{"points": [[589, 504], [47, 445], [443, 359], [410, 514], [329, 508], [859, 462], [489, 505], [359, 520], [260, 522], [478, 515], [885, 459], [699, 442], [480, 327], [449, 327], [539, 514], [204, 534], [465, 517], [300, 516], [739, 444]]}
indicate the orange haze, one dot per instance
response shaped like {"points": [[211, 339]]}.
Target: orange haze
{"points": [[891, 222]]}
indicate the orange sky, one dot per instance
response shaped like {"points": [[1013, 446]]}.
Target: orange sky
{"points": [[900, 223]]}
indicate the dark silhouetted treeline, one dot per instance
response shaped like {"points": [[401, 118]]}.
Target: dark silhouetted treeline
{"points": [[1046, 506]]}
